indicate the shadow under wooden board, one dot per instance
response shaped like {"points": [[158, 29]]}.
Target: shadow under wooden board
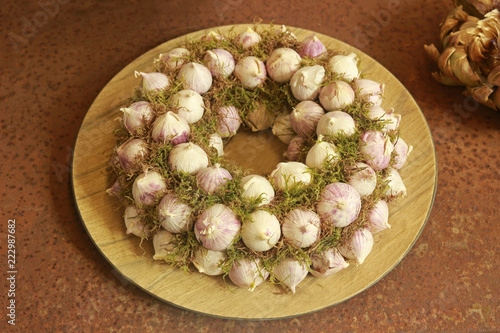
{"points": [[211, 295]]}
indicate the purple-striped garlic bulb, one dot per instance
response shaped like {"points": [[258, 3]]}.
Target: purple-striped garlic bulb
{"points": [[363, 179], [217, 227], [327, 263], [305, 117], [282, 128], [402, 151], [220, 62], [213, 178], [195, 77], [369, 91], [134, 223], [153, 82], [339, 204], [131, 152], [378, 217], [170, 127], [248, 38], [294, 148], [290, 272], [359, 246], [390, 118], [174, 215], [301, 227], [312, 47], [251, 72], [376, 149], [174, 58], [228, 120], [148, 188], [248, 273], [137, 116], [336, 96]]}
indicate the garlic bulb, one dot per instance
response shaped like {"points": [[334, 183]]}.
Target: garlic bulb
{"points": [[287, 174], [363, 179], [345, 65], [301, 227], [215, 141], [174, 215], [322, 152], [285, 32], [282, 64], [209, 262], [306, 82], [294, 148], [305, 117], [402, 151], [376, 149], [152, 82], [392, 119], [170, 127], [174, 58], [246, 273], [251, 71], [334, 123], [216, 227], [369, 91], [211, 179], [189, 105], [148, 187], [132, 151], [137, 116], [261, 232], [116, 189], [247, 39], [327, 263], [290, 272], [213, 36], [220, 62], [312, 47], [339, 204], [378, 217], [396, 186], [255, 186], [282, 128], [336, 95], [196, 77], [358, 246], [260, 118], [134, 223], [228, 120], [187, 157], [162, 244]]}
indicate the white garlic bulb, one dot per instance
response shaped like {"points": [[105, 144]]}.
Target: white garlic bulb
{"points": [[248, 38], [339, 204], [137, 116], [131, 152], [322, 152], [327, 263], [187, 157], [174, 58], [336, 96], [312, 47], [174, 215], [170, 127], [301, 227], [363, 179], [369, 91], [345, 65], [148, 187], [153, 82], [282, 128], [261, 231], [376, 148], [334, 123], [195, 77], [282, 64], [255, 186], [306, 82], [189, 105], [246, 273], [215, 141], [213, 36], [359, 246], [251, 71], [134, 223], [378, 217], [305, 117], [217, 227], [162, 244], [228, 121], [402, 151], [290, 272], [211, 179], [220, 62], [396, 186], [392, 119], [209, 262], [287, 174]]}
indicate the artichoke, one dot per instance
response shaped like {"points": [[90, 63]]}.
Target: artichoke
{"points": [[470, 40]]}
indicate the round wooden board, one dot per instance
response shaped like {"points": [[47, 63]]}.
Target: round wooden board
{"points": [[211, 295]]}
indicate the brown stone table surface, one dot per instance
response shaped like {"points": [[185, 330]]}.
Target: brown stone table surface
{"points": [[56, 55]]}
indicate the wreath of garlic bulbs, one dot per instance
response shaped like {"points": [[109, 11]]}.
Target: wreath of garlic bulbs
{"points": [[315, 213]]}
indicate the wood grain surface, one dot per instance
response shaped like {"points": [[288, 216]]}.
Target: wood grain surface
{"points": [[103, 220]]}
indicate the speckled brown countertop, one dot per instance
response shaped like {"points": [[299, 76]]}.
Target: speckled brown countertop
{"points": [[61, 60]]}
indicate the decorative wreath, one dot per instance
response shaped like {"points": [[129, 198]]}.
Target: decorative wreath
{"points": [[314, 211]]}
